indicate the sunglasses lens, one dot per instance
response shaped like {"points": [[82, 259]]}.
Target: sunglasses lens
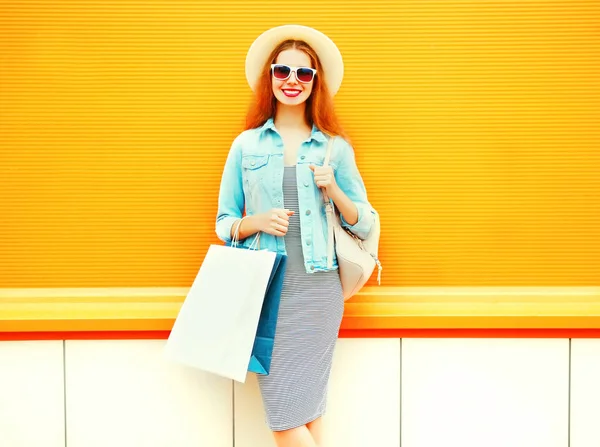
{"points": [[281, 71], [304, 75]]}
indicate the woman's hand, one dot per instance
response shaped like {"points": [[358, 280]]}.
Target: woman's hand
{"points": [[275, 222], [324, 178]]}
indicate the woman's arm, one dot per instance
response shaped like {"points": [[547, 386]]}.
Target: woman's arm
{"points": [[347, 190], [231, 194], [275, 222], [347, 207], [350, 182], [232, 200]]}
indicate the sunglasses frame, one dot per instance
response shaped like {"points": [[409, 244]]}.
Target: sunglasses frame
{"points": [[293, 70]]}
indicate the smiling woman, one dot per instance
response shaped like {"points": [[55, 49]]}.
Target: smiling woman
{"points": [[274, 171], [308, 79], [473, 136], [292, 76]]}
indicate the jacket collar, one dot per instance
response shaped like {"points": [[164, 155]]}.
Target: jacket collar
{"points": [[315, 133]]}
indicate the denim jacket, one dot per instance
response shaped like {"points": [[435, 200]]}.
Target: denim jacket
{"points": [[253, 180]]}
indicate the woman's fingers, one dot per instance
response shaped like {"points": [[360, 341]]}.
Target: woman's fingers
{"points": [[278, 230], [284, 214], [280, 221], [281, 225], [281, 228], [284, 222], [324, 177]]}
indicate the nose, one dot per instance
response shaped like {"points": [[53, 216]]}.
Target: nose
{"points": [[292, 79]]}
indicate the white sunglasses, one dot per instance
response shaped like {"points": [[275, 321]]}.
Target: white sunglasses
{"points": [[281, 72]]}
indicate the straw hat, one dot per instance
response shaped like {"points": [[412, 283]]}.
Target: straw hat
{"points": [[329, 54]]}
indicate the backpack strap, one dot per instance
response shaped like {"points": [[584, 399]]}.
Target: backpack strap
{"points": [[329, 211]]}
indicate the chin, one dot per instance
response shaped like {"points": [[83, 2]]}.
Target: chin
{"points": [[291, 101]]}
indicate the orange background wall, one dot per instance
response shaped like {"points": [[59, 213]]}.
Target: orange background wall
{"points": [[475, 126]]}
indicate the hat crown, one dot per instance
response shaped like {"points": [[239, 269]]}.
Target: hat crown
{"points": [[328, 53]]}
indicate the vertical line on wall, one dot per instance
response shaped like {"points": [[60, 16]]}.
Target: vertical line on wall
{"points": [[233, 411], [569, 399], [64, 346], [400, 394]]}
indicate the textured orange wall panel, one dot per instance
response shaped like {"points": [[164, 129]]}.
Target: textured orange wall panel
{"points": [[475, 126]]}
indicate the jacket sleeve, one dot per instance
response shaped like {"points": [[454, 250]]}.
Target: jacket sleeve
{"points": [[351, 183], [231, 193]]}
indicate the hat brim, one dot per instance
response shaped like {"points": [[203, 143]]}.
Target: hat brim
{"points": [[327, 51]]}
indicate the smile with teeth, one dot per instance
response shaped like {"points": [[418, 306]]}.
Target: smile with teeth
{"points": [[291, 93]]}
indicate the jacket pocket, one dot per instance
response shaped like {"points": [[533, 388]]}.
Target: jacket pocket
{"points": [[254, 162], [254, 168], [317, 159]]}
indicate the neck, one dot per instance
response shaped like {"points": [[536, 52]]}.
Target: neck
{"points": [[290, 116]]}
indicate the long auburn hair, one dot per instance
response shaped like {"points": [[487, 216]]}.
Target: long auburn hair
{"points": [[319, 105]]}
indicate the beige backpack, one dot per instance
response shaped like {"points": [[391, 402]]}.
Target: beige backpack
{"points": [[356, 258]]}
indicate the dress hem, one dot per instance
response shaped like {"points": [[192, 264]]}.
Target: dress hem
{"points": [[292, 426]]}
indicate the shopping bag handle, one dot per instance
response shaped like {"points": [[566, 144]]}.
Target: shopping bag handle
{"points": [[236, 237]]}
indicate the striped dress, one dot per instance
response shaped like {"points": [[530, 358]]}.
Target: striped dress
{"points": [[310, 313]]}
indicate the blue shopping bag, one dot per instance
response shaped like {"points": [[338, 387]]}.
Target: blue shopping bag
{"points": [[262, 351]]}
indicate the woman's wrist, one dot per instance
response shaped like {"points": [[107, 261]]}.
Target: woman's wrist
{"points": [[347, 207], [335, 192], [250, 225]]}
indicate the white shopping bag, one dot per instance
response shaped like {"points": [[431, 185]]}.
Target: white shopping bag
{"points": [[217, 323]]}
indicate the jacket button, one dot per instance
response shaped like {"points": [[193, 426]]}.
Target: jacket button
{"points": [[252, 163], [312, 267], [306, 184], [308, 212], [303, 157], [308, 243]]}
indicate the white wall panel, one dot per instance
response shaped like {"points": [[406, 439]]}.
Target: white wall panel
{"points": [[124, 394], [485, 392], [250, 425], [464, 392], [364, 408], [585, 393], [363, 404], [31, 394]]}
